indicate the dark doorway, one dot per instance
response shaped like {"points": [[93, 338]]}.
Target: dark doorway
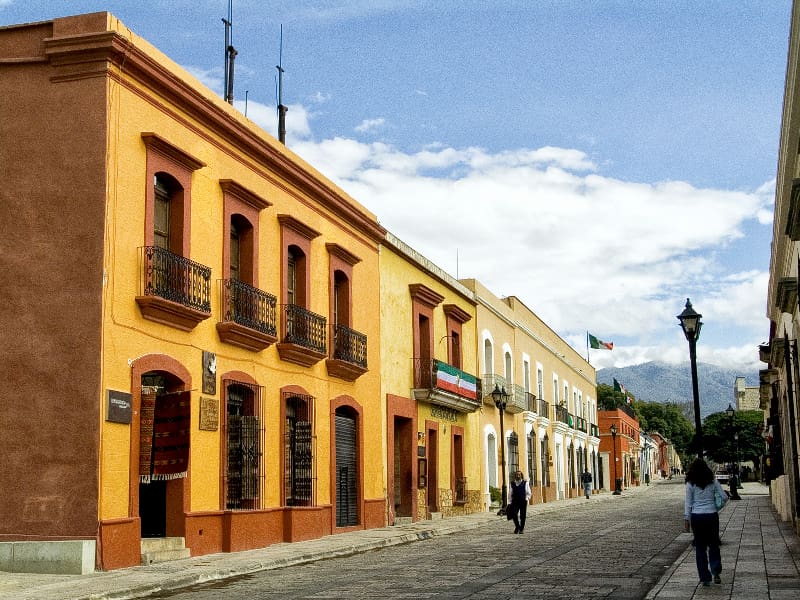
{"points": [[433, 471], [153, 508], [402, 458]]}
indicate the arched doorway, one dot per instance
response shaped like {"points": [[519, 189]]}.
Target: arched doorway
{"points": [[163, 457]]}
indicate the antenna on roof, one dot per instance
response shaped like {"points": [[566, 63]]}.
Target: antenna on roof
{"points": [[230, 55], [281, 108]]}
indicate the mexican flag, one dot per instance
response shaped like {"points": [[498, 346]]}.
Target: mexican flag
{"points": [[599, 344], [455, 380]]}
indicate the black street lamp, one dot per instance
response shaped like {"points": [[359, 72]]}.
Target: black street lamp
{"points": [[691, 324], [500, 398], [617, 481], [733, 482]]}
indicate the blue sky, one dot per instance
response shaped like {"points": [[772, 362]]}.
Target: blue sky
{"points": [[601, 160]]}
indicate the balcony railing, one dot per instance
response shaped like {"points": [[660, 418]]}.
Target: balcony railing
{"points": [[349, 345], [517, 400], [461, 491], [435, 374], [175, 278], [594, 430], [249, 306], [304, 328], [544, 408], [580, 424], [490, 380], [531, 401], [562, 414]]}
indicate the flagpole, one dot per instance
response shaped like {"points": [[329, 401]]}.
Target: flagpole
{"points": [[587, 346]]}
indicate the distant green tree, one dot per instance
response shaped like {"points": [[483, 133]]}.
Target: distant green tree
{"points": [[721, 445], [608, 399]]}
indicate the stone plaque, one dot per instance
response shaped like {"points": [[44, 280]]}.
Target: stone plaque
{"points": [[209, 414]]}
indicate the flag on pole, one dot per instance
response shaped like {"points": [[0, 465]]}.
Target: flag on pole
{"points": [[618, 387], [599, 344]]}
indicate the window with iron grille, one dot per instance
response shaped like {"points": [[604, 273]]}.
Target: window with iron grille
{"points": [[532, 458], [299, 476], [243, 477], [513, 453], [571, 460], [545, 454]]}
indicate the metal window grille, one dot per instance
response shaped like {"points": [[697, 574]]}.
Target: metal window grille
{"points": [[513, 453], [532, 459], [244, 437], [545, 454], [299, 451]]}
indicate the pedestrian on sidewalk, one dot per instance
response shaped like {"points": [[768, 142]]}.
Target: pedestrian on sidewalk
{"points": [[520, 495], [700, 511], [586, 479]]}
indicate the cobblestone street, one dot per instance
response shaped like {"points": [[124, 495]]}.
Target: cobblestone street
{"points": [[615, 548]]}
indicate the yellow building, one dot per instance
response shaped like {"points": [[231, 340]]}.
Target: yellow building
{"points": [[549, 425], [428, 381], [191, 329]]}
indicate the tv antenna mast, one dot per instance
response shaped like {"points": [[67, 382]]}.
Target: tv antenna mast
{"points": [[230, 55], [281, 107]]}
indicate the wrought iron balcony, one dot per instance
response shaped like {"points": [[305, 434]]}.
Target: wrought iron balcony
{"points": [[580, 424], [544, 408], [531, 402], [174, 290], [594, 430], [349, 360], [304, 339], [490, 380], [517, 400], [562, 414], [439, 383], [250, 316]]}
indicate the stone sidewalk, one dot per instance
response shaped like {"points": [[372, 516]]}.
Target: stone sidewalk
{"points": [[760, 558]]}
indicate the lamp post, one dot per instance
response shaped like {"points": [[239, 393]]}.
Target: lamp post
{"points": [[617, 483], [691, 324], [500, 398], [733, 482]]}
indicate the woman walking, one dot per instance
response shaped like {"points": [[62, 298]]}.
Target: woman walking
{"points": [[700, 510]]}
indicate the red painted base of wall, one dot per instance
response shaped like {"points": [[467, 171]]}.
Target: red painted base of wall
{"points": [[227, 531]]}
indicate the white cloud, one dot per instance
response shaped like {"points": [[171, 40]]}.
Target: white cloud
{"points": [[369, 124], [583, 250]]}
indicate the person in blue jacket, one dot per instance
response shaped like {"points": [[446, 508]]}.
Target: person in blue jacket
{"points": [[700, 511]]}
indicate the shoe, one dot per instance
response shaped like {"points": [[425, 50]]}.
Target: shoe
{"points": [[520, 531], [706, 583], [717, 579], [516, 529]]}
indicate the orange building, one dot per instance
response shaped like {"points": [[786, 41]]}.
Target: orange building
{"points": [[619, 451], [189, 325]]}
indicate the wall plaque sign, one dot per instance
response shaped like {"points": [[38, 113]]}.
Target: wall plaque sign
{"points": [[118, 406], [209, 414]]}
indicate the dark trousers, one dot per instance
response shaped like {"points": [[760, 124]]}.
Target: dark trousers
{"points": [[520, 514], [705, 528]]}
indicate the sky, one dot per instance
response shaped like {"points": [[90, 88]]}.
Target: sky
{"points": [[602, 160]]}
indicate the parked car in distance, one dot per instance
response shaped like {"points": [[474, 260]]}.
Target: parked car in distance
{"points": [[723, 477]]}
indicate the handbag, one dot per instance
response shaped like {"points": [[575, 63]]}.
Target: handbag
{"points": [[720, 500]]}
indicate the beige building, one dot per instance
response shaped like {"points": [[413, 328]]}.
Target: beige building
{"points": [[549, 428]]}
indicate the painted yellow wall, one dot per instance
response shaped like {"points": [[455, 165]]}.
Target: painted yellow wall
{"points": [[127, 336]]}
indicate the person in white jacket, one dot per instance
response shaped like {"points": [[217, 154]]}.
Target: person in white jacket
{"points": [[700, 511], [520, 495]]}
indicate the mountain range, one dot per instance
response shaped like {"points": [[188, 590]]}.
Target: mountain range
{"points": [[663, 382]]}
